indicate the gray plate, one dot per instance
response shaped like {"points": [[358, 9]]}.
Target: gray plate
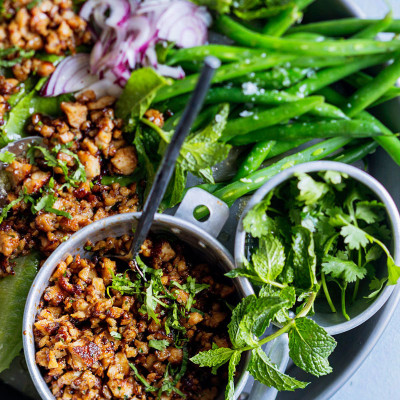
{"points": [[354, 346]]}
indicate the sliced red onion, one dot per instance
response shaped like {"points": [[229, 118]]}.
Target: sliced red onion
{"points": [[119, 12], [71, 75], [171, 72]]}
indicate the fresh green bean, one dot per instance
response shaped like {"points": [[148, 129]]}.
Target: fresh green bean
{"points": [[223, 52], [368, 94], [350, 156], [278, 25], [224, 73], [252, 94], [312, 37], [252, 182], [390, 143], [311, 130], [245, 36], [360, 79], [257, 120], [276, 78], [283, 147], [372, 30], [328, 76], [343, 27], [254, 159]]}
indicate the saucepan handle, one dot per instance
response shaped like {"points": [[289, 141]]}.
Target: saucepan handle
{"points": [[219, 211], [278, 352]]}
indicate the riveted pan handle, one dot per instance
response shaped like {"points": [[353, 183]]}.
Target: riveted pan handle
{"points": [[219, 211]]}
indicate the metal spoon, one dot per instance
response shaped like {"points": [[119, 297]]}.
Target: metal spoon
{"points": [[167, 165]]}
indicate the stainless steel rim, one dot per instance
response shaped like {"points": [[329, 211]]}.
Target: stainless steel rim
{"points": [[76, 243], [357, 174]]}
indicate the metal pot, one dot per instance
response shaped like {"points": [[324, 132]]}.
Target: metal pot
{"points": [[200, 236], [360, 311]]}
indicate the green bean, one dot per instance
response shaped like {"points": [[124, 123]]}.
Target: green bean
{"points": [[350, 156], [343, 27], [328, 76], [360, 79], [311, 130], [312, 37], [254, 159], [259, 97], [252, 182], [224, 73], [244, 36], [368, 94], [224, 53], [278, 25], [276, 78], [262, 119], [390, 143], [372, 30], [283, 147]]}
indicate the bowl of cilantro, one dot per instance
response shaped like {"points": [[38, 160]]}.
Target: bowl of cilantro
{"points": [[328, 230], [324, 238]]}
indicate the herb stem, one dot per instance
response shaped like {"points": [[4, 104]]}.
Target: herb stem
{"points": [[326, 291], [344, 302]]}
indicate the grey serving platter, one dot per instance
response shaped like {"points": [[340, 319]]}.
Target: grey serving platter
{"points": [[354, 346]]}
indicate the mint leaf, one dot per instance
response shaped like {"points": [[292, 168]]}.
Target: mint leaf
{"points": [[310, 190], [202, 150], [244, 272], [251, 317], [256, 222], [310, 346], [355, 237], [160, 345], [212, 358], [233, 363], [7, 157], [266, 372], [269, 258], [288, 293], [346, 270], [304, 258]]}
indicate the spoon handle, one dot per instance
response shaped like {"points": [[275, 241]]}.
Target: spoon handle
{"points": [[166, 168]]}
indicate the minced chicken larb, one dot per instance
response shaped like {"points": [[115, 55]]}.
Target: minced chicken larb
{"points": [[100, 334]]}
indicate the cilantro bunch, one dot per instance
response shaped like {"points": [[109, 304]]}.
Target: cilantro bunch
{"points": [[322, 231]]}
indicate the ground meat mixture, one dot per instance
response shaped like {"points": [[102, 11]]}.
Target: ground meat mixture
{"points": [[86, 135], [96, 342]]}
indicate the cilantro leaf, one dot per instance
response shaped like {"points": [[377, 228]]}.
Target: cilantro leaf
{"points": [[116, 335], [160, 345], [213, 357], [266, 372], [310, 190], [310, 346], [304, 258], [147, 386], [370, 211], [346, 270], [7, 157], [46, 203], [233, 363], [335, 178], [8, 207], [376, 286], [355, 237], [269, 258]]}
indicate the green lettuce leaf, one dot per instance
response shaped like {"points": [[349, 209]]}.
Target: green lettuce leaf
{"points": [[13, 292]]}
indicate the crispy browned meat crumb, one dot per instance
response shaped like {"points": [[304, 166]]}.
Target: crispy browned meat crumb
{"points": [[85, 340], [90, 130]]}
